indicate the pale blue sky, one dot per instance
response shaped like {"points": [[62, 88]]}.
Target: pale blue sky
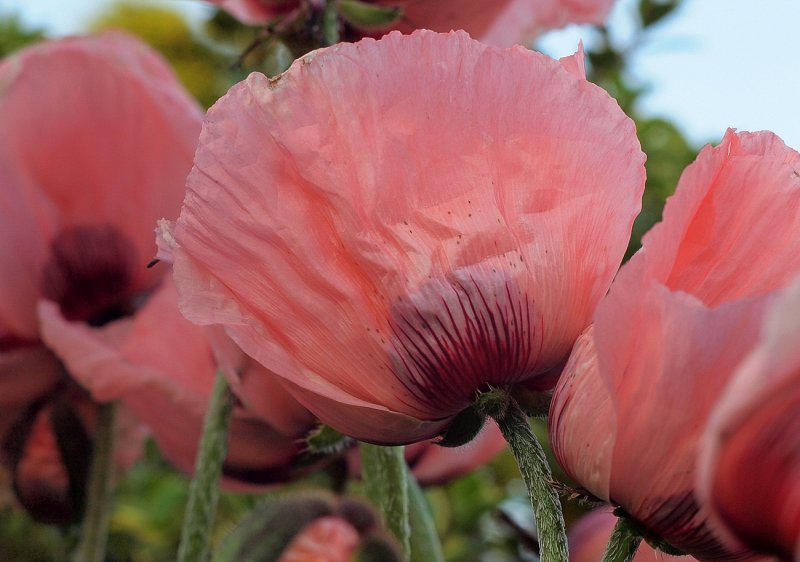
{"points": [[716, 64]]}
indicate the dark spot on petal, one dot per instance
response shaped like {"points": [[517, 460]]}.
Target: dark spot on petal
{"points": [[457, 336], [90, 274]]}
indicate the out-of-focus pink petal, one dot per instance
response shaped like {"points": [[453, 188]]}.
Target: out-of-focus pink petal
{"points": [[522, 20], [107, 146], [433, 464], [373, 222], [750, 456], [162, 368], [326, 539], [589, 537], [40, 477], [26, 374], [502, 23], [254, 12]]}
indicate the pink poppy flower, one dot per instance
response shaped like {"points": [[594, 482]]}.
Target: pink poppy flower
{"points": [[589, 537], [96, 137], [497, 22], [750, 455], [680, 317], [391, 226]]}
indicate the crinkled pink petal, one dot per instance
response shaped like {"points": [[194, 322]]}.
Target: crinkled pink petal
{"points": [[589, 537], [750, 457], [575, 63], [162, 368], [93, 132], [331, 214]]}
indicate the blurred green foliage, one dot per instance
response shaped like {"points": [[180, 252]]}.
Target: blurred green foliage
{"points": [[14, 35], [200, 67], [668, 152], [481, 517]]}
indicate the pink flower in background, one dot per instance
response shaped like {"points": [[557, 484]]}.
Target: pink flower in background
{"points": [[162, 368], [750, 453], [96, 138], [589, 536], [433, 464], [497, 22], [679, 319], [391, 232]]}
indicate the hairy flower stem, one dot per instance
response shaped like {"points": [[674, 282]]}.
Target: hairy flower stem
{"points": [[425, 544], [535, 471], [330, 24], [204, 490], [386, 483], [94, 532], [623, 542]]}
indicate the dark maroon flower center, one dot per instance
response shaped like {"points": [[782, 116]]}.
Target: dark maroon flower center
{"points": [[90, 274], [457, 337]]}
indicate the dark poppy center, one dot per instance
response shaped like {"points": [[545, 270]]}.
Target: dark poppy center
{"points": [[90, 274], [456, 337]]}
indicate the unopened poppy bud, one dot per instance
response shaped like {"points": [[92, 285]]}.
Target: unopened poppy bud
{"points": [[309, 527]]}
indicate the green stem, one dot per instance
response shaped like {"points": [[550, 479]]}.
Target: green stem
{"points": [[386, 483], [623, 542], [425, 544], [94, 532], [204, 490], [534, 469], [330, 23]]}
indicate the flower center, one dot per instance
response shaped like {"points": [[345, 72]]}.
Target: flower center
{"points": [[90, 274], [457, 336]]}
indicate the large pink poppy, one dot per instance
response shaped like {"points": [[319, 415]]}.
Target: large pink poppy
{"points": [[497, 22], [96, 138], [750, 456], [391, 226], [679, 318]]}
